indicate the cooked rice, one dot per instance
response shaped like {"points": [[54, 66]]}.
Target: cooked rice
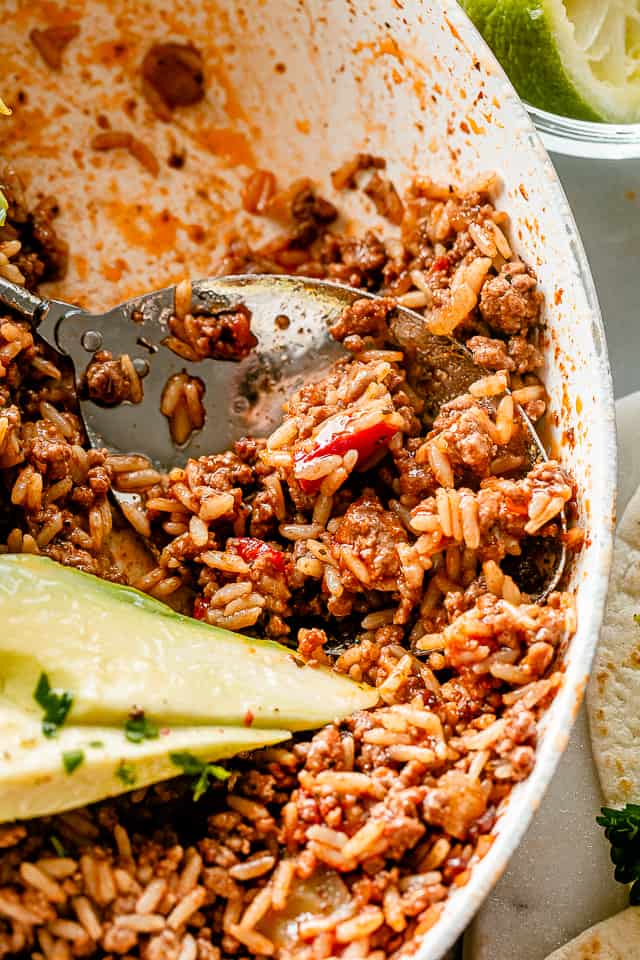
{"points": [[390, 553]]}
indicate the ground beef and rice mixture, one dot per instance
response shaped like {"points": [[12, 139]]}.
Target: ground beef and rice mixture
{"points": [[363, 532]]}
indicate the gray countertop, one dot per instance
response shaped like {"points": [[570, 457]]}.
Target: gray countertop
{"points": [[605, 199]]}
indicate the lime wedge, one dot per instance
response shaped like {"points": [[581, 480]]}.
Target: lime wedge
{"points": [[577, 58]]}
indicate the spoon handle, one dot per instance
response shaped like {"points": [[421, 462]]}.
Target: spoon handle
{"points": [[19, 299], [44, 315]]}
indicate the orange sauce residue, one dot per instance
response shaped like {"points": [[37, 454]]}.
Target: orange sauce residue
{"points": [[579, 405], [48, 13], [82, 266], [414, 68], [453, 30], [151, 230], [477, 129], [113, 271], [108, 52], [215, 67], [231, 145], [384, 45], [303, 126], [26, 127]]}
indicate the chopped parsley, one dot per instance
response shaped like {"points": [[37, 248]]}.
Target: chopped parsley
{"points": [[96, 743], [126, 773], [72, 759], [138, 728], [622, 830], [55, 703], [202, 771], [57, 846]]}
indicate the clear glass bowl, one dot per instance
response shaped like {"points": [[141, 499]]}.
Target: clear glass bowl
{"points": [[598, 166], [580, 138]]}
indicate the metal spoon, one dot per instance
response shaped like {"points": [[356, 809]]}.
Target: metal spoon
{"points": [[291, 317]]}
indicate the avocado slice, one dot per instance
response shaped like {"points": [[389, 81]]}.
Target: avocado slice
{"points": [[113, 648], [40, 775]]}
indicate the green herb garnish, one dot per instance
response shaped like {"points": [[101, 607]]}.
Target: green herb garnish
{"points": [[138, 728], [55, 703], [57, 846], [622, 830], [96, 743], [72, 759], [202, 771], [126, 773]]}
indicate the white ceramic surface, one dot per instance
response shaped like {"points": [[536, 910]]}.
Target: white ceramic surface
{"points": [[298, 88], [560, 880]]}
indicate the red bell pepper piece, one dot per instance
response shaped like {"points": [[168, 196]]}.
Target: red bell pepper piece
{"points": [[336, 438], [250, 548], [200, 608], [440, 264]]}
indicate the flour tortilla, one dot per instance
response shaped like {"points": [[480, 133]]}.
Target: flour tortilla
{"points": [[617, 938], [614, 692]]}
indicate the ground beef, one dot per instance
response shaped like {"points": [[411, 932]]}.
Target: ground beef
{"points": [[303, 212], [105, 381], [264, 513], [53, 250], [310, 645], [373, 534], [48, 451], [308, 207], [99, 479], [325, 750], [516, 354], [364, 318], [469, 445], [44, 254], [222, 336], [491, 354], [72, 556], [358, 261], [511, 301], [220, 471], [524, 355], [416, 480], [175, 72], [248, 450]]}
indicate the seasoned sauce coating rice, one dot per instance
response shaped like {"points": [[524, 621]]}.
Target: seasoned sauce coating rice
{"points": [[363, 533]]}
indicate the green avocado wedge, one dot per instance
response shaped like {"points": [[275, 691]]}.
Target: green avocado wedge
{"points": [[112, 649], [40, 775]]}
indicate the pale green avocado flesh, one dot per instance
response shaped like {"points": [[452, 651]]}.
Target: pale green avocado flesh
{"points": [[111, 648], [34, 770], [114, 648]]}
